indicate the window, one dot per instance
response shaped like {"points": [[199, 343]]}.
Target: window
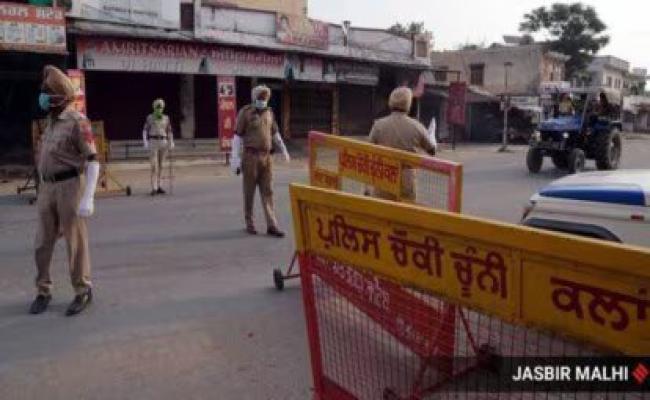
{"points": [[477, 72], [440, 75], [609, 81], [421, 48]]}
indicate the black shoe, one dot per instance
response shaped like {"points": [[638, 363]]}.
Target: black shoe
{"points": [[160, 191], [153, 192], [80, 302], [39, 305], [275, 232], [251, 230]]}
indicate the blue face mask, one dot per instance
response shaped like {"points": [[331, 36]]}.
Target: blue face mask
{"points": [[260, 104], [44, 100]]}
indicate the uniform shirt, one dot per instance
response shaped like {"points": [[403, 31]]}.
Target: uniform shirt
{"points": [[67, 143], [402, 132], [158, 127], [566, 107], [256, 128]]}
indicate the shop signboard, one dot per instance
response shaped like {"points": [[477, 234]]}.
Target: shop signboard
{"points": [[301, 31], [227, 110], [158, 13], [33, 29]]}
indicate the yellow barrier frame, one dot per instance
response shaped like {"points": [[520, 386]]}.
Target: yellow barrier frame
{"points": [[580, 288], [385, 156]]}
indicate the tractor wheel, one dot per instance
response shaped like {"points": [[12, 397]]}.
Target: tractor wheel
{"points": [[534, 160], [607, 149], [576, 161], [560, 160]]}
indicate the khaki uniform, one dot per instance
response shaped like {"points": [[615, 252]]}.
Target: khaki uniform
{"points": [[402, 132], [159, 135], [256, 130], [67, 144]]}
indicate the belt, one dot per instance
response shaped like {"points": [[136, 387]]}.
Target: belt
{"points": [[253, 150], [156, 137], [61, 176]]}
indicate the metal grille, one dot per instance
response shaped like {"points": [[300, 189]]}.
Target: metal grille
{"points": [[373, 339]]}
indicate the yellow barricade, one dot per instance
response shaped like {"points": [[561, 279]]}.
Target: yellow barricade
{"points": [[584, 289], [354, 166]]}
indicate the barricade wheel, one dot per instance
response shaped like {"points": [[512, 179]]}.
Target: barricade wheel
{"points": [[278, 279]]}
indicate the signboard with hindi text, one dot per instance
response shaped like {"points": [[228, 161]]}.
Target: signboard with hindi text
{"points": [[227, 112], [32, 29], [593, 291]]}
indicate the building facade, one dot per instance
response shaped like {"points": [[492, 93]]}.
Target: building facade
{"points": [[285, 6], [614, 76], [515, 72], [327, 77]]}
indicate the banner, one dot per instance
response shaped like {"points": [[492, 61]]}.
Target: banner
{"points": [[301, 31], [456, 103], [31, 28], [227, 112], [128, 55], [78, 80], [159, 13]]}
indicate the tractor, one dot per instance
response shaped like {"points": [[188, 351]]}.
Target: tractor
{"points": [[591, 131]]}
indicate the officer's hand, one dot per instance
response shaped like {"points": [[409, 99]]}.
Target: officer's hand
{"points": [[287, 157], [145, 144], [171, 146], [86, 208]]}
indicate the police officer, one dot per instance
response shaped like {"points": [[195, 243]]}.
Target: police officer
{"points": [[402, 132], [157, 136], [256, 137], [64, 200]]}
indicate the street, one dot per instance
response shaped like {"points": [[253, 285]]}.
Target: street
{"points": [[185, 306]]}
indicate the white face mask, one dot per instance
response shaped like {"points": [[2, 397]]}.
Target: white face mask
{"points": [[261, 104]]}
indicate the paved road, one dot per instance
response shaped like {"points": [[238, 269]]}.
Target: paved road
{"points": [[184, 301]]}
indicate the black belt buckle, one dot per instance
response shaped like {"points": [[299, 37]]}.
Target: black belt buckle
{"points": [[61, 176]]}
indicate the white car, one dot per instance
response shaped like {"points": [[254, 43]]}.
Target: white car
{"points": [[609, 205]]}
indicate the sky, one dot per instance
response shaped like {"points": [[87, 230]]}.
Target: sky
{"points": [[456, 22]]}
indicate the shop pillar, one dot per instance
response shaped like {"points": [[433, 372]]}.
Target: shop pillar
{"points": [[188, 123]]}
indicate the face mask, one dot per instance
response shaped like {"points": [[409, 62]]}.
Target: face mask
{"points": [[158, 112], [44, 100], [260, 104]]}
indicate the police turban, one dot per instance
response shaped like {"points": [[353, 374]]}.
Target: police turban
{"points": [[400, 99], [257, 90], [58, 83]]}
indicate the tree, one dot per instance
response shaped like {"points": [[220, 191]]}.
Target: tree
{"points": [[407, 30], [573, 29]]}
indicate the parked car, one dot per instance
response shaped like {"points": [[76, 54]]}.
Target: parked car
{"points": [[608, 205]]}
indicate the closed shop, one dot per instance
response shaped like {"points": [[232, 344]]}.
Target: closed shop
{"points": [[311, 109], [356, 109]]}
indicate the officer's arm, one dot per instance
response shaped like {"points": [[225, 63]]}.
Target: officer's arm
{"points": [[170, 134], [426, 143], [277, 138], [86, 144], [373, 133], [145, 132], [237, 144]]}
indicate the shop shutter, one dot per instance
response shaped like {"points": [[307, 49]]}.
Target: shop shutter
{"points": [[311, 109]]}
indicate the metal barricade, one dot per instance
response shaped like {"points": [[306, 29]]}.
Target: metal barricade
{"points": [[379, 280], [355, 166]]}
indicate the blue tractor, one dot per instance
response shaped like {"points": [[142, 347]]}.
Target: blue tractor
{"points": [[591, 131]]}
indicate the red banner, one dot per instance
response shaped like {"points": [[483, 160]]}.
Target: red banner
{"points": [[456, 103], [79, 82], [30, 28], [227, 110]]}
